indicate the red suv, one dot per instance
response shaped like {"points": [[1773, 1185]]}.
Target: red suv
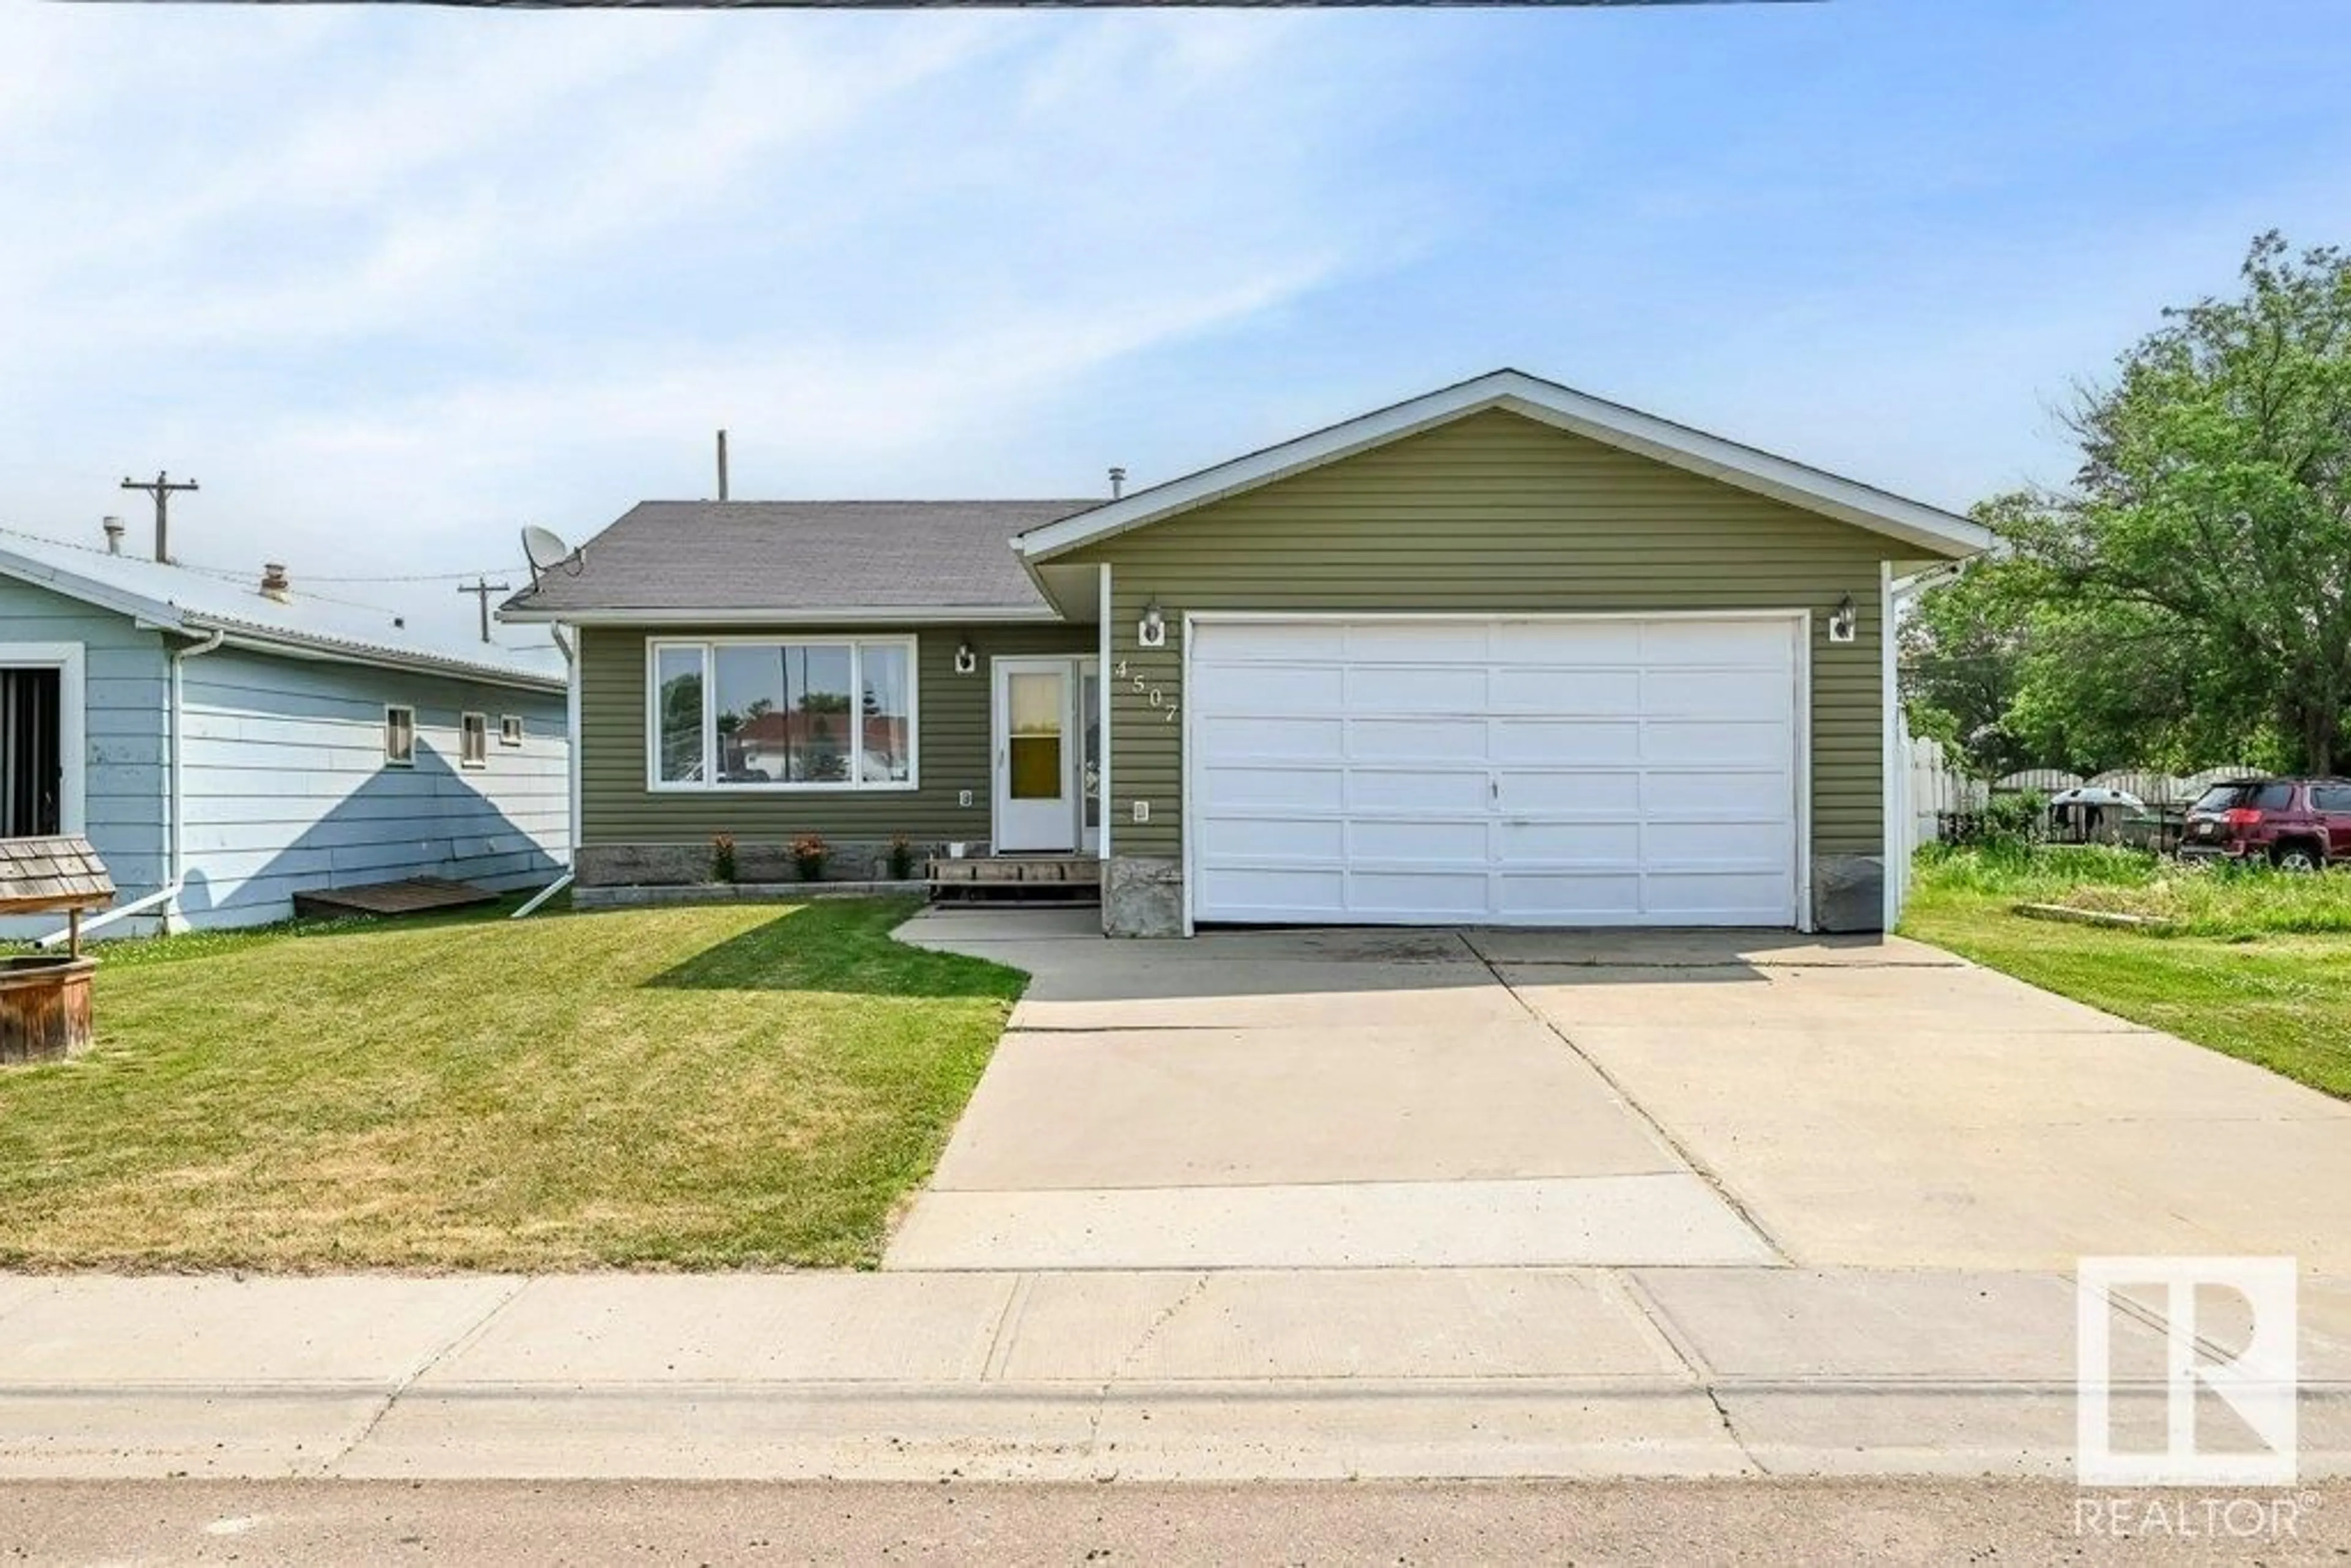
{"points": [[2299, 824]]}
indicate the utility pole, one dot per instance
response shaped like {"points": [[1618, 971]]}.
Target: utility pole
{"points": [[481, 589], [161, 488], [722, 465]]}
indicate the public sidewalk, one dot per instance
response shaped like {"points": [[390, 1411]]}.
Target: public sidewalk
{"points": [[1160, 1375]]}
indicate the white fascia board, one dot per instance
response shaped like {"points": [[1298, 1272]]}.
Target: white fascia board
{"points": [[237, 635], [155, 614], [853, 615], [1846, 500]]}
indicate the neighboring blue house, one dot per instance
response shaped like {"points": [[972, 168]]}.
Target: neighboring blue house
{"points": [[227, 745]]}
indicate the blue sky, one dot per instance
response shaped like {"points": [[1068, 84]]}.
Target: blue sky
{"points": [[394, 283]]}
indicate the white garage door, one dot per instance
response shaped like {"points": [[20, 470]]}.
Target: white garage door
{"points": [[1591, 772]]}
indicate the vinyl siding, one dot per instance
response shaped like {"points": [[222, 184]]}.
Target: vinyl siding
{"points": [[286, 788], [123, 733], [951, 742], [1494, 513]]}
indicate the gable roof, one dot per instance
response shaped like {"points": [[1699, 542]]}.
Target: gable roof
{"points": [[765, 562], [1929, 529], [176, 598]]}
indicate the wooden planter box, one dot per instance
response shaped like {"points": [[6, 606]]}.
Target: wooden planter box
{"points": [[44, 1006]]}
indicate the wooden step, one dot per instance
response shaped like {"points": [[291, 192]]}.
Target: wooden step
{"points": [[1053, 871]]}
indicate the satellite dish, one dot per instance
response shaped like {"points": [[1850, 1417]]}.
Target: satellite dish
{"points": [[546, 551]]}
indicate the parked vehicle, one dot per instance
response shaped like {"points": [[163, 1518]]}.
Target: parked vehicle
{"points": [[2296, 824]]}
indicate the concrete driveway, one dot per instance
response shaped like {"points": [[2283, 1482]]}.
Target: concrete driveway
{"points": [[1384, 1098], [1316, 1098]]}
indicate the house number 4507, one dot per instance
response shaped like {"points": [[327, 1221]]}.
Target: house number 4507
{"points": [[1155, 695]]}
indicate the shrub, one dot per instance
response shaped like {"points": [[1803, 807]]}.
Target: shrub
{"points": [[901, 859], [722, 858], [810, 851]]}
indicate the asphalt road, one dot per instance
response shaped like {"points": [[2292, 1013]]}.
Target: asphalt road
{"points": [[1618, 1521]]}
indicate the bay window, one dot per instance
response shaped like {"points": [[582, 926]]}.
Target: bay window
{"points": [[816, 713]]}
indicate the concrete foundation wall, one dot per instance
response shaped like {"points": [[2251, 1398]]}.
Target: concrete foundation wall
{"points": [[679, 865], [1142, 896]]}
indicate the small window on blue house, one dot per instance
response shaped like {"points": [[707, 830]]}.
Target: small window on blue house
{"points": [[399, 736], [474, 740], [510, 729]]}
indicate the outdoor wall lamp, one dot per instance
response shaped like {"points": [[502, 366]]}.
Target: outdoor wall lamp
{"points": [[966, 660], [1845, 621], [1152, 630]]}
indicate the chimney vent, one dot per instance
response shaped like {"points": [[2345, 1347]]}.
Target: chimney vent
{"points": [[276, 584], [113, 527], [1117, 483]]}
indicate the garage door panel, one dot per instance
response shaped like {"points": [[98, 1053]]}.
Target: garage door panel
{"points": [[1418, 895], [1461, 841], [1715, 795], [1527, 792], [1758, 898], [1565, 689], [1714, 693], [1277, 691], [1280, 640], [1270, 740], [1725, 846], [1280, 789], [1427, 641], [1732, 644], [1273, 838], [1633, 771], [1566, 643], [1611, 898], [1416, 790], [1415, 689], [1415, 739], [1520, 843], [1545, 740], [1243, 893], [1718, 742]]}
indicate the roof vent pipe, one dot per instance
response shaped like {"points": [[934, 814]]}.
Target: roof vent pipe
{"points": [[113, 528], [1117, 483], [275, 583]]}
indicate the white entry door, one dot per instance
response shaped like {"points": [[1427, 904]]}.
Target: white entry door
{"points": [[1604, 771], [1037, 777]]}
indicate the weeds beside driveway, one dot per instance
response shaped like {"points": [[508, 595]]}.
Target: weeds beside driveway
{"points": [[2261, 967], [697, 1088]]}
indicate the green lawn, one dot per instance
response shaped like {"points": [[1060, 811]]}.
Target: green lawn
{"points": [[2261, 969], [694, 1088]]}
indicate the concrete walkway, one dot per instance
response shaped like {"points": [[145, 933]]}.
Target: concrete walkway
{"points": [[1167, 1376]]}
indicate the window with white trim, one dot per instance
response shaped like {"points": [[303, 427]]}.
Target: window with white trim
{"points": [[510, 729], [815, 713], [474, 740], [399, 736]]}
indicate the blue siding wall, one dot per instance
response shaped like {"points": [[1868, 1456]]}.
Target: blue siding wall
{"points": [[122, 716], [286, 788]]}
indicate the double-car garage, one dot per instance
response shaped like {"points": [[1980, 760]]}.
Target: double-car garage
{"points": [[1540, 770]]}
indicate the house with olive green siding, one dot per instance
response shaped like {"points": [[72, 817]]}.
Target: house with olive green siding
{"points": [[1504, 653]]}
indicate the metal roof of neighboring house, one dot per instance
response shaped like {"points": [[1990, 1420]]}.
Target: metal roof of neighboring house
{"points": [[805, 560], [178, 598]]}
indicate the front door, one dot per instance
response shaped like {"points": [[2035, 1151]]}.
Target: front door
{"points": [[1037, 779]]}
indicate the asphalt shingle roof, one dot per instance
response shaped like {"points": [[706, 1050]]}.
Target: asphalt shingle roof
{"points": [[689, 556]]}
